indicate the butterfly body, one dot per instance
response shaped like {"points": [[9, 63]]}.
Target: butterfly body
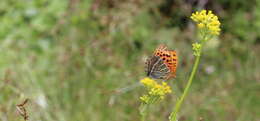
{"points": [[163, 64]]}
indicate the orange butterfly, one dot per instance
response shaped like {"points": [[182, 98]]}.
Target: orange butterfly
{"points": [[163, 63]]}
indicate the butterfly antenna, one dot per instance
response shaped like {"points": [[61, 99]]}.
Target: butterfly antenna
{"points": [[123, 90]]}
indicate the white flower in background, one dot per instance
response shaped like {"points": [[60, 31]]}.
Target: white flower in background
{"points": [[210, 69], [41, 101]]}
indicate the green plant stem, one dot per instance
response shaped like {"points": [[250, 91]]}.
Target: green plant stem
{"points": [[173, 115], [143, 111], [143, 118]]}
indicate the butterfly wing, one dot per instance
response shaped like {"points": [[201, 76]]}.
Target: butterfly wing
{"points": [[156, 68], [172, 63], [169, 57], [160, 49], [163, 64]]}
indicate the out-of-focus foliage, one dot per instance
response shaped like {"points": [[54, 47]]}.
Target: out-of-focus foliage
{"points": [[69, 57]]}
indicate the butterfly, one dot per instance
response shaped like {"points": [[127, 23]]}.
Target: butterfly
{"points": [[162, 64]]}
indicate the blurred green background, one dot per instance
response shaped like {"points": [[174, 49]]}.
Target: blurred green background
{"points": [[78, 60]]}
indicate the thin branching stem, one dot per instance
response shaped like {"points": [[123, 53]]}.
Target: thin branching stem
{"points": [[173, 116]]}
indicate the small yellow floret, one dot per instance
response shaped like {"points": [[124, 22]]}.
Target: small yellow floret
{"points": [[145, 98], [148, 82], [201, 25], [196, 47]]}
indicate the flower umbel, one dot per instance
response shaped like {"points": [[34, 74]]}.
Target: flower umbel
{"points": [[156, 91], [207, 20], [196, 49]]}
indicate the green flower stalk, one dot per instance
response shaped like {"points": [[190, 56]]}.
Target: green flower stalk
{"points": [[208, 26], [156, 93]]}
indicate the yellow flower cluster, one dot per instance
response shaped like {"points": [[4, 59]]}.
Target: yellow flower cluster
{"points": [[145, 98], [206, 19], [148, 82], [196, 49], [155, 89]]}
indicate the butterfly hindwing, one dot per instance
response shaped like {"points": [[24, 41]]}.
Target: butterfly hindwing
{"points": [[156, 68], [163, 64]]}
